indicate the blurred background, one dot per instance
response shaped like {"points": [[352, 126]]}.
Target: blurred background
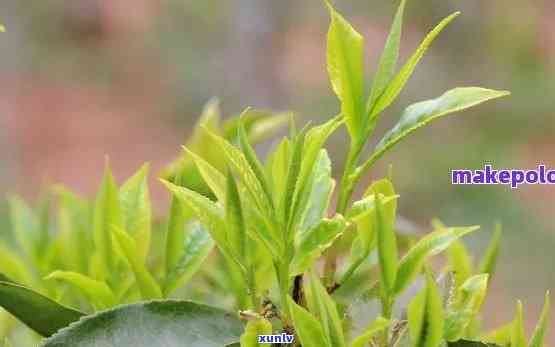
{"points": [[86, 79]]}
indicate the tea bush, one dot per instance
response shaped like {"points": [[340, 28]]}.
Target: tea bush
{"points": [[263, 232]]}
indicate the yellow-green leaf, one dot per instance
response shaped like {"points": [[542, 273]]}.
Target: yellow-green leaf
{"points": [[541, 327], [345, 69], [308, 328], [136, 210], [98, 292], [396, 85], [375, 327], [518, 337], [148, 286], [253, 329], [430, 245], [487, 265]]}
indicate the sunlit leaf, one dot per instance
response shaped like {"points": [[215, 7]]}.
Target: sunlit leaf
{"points": [[537, 339], [98, 293], [426, 316], [396, 85], [388, 59], [465, 306], [136, 210], [422, 113], [253, 329], [430, 245], [375, 327], [213, 178], [487, 265], [315, 242], [148, 286], [518, 337], [107, 214], [308, 328], [194, 249], [236, 230], [345, 69], [387, 247]]}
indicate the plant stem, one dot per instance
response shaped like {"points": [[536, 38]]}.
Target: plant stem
{"points": [[345, 193]]}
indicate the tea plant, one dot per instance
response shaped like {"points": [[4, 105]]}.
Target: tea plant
{"points": [[292, 263]]}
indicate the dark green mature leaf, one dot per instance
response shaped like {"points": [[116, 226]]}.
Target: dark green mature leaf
{"points": [[35, 310], [168, 323], [308, 328], [345, 69], [422, 113], [388, 60], [468, 343], [430, 245], [396, 85], [136, 210], [541, 328], [315, 242], [107, 214], [194, 249]]}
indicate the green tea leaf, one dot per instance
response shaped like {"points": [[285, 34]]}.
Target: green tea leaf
{"points": [[375, 327], [422, 113], [460, 262], [345, 69], [107, 214], [294, 168], [210, 215], [466, 305], [136, 210], [426, 317], [278, 165], [430, 245], [213, 178], [537, 339], [195, 248], [35, 310], [266, 126], [148, 286], [235, 222], [396, 85], [241, 167], [176, 323], [14, 267], [387, 247], [252, 159], [74, 237], [315, 242], [518, 338], [308, 328], [253, 329], [317, 194], [388, 60], [500, 336], [99, 294], [326, 310], [178, 220], [25, 226], [487, 265]]}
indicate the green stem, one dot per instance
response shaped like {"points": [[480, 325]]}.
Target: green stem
{"points": [[345, 193]]}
